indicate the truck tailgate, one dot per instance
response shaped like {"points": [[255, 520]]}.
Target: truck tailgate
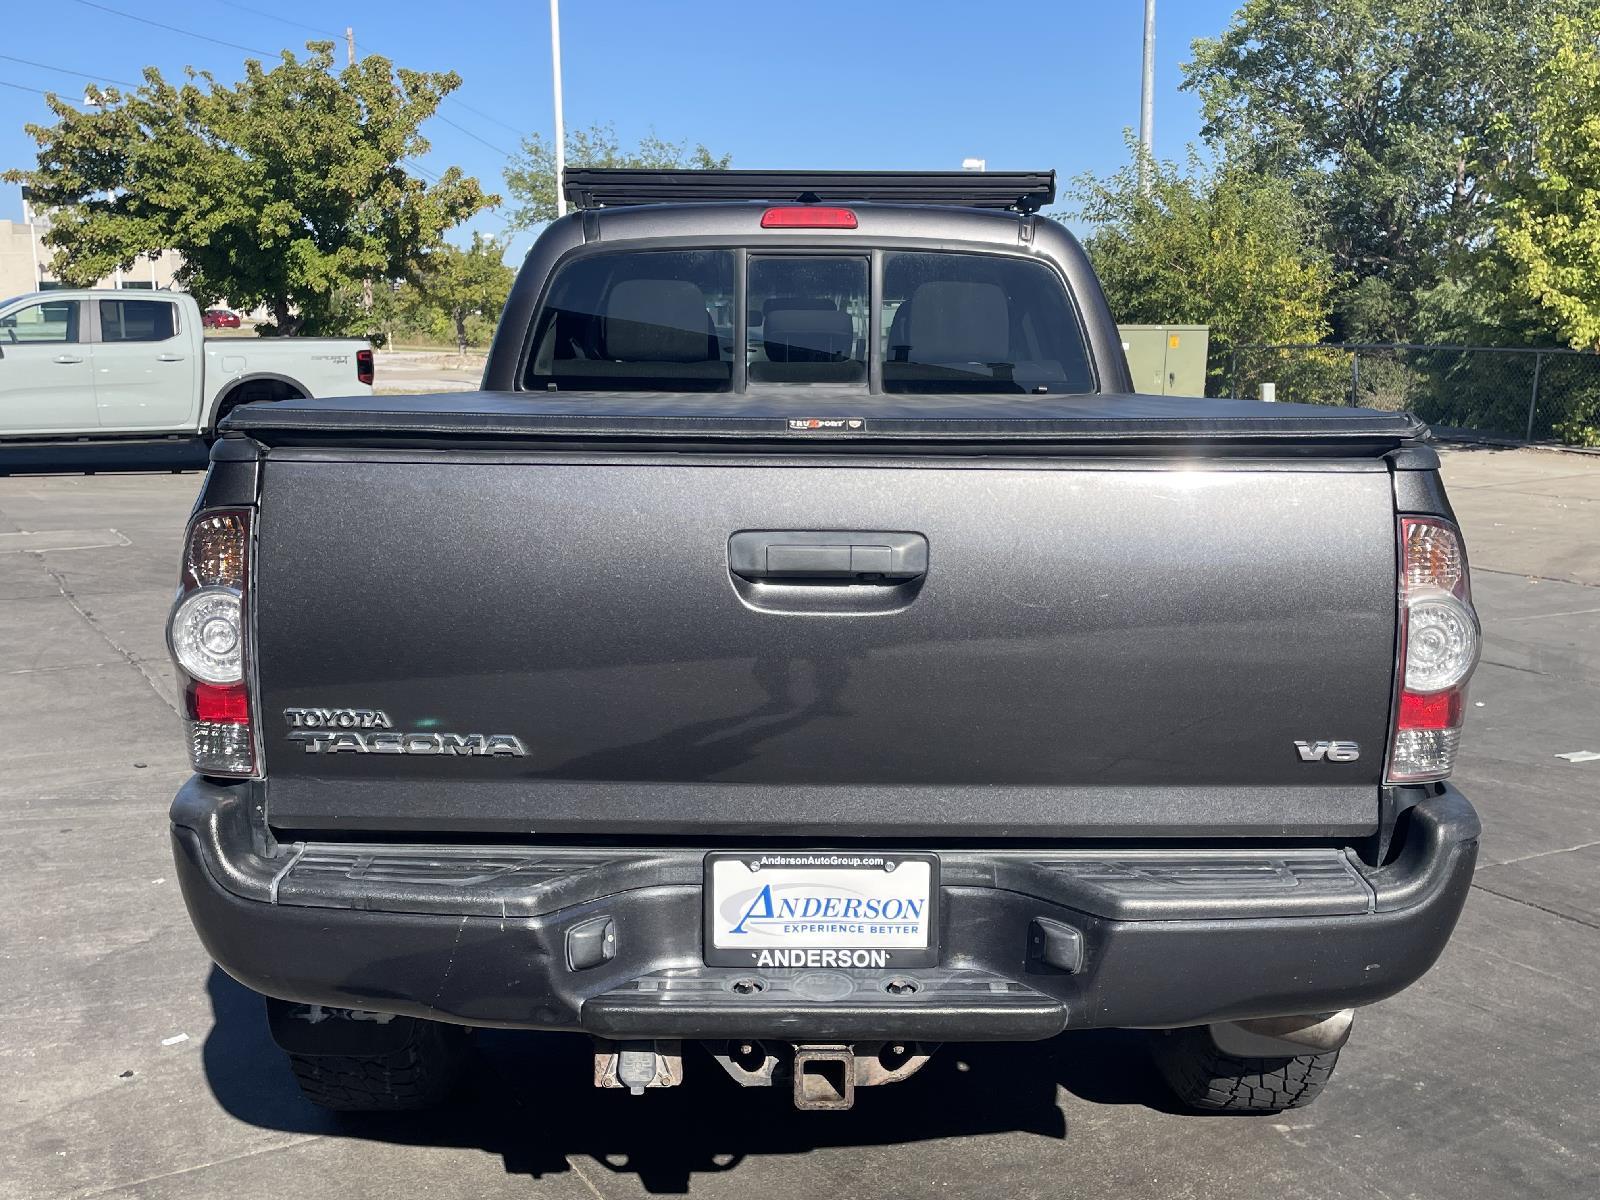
{"points": [[1098, 647]]}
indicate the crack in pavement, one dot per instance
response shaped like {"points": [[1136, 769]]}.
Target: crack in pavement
{"points": [[1576, 681], [1547, 853], [1577, 612], [127, 655], [215, 1162], [1480, 570], [1538, 907], [1514, 483], [56, 670], [572, 1162]]}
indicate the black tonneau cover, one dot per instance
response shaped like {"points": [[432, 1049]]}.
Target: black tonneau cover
{"points": [[815, 416]]}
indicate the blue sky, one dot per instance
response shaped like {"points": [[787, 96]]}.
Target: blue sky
{"points": [[871, 84]]}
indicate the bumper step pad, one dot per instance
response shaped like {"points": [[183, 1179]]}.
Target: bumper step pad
{"points": [[1130, 885], [826, 1004]]}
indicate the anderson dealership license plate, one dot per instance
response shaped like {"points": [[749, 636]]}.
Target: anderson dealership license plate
{"points": [[821, 909]]}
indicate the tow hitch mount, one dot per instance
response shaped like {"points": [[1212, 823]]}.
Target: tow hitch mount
{"points": [[824, 1075]]}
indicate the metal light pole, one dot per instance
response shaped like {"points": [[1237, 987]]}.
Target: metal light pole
{"points": [[1147, 95], [561, 130], [33, 237]]}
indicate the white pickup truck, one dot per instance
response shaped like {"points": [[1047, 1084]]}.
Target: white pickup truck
{"points": [[136, 363]]}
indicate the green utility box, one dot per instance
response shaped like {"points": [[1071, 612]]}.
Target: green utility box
{"points": [[1167, 360]]}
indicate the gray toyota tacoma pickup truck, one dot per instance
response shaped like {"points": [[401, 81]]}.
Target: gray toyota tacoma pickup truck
{"points": [[806, 649]]}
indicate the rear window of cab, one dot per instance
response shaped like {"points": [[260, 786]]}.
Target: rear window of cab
{"points": [[671, 320]]}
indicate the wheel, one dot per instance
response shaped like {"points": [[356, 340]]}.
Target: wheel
{"points": [[1207, 1079], [423, 1074], [245, 393]]}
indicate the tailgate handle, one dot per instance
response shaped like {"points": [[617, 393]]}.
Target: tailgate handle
{"points": [[834, 556]]}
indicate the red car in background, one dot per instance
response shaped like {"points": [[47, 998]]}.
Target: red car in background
{"points": [[220, 318]]}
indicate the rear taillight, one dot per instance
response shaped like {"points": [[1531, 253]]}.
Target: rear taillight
{"points": [[208, 635], [1439, 643], [364, 366], [808, 216]]}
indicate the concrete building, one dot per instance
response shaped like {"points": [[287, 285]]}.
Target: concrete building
{"points": [[25, 261]]}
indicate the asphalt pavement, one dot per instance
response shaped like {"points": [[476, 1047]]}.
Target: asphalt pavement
{"points": [[133, 1068]]}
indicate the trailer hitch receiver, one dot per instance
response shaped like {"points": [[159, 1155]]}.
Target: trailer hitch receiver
{"points": [[824, 1077]]}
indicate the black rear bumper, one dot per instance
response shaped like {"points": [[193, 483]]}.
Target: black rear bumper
{"points": [[1153, 938]]}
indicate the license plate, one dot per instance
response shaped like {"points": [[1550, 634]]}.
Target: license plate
{"points": [[800, 909]]}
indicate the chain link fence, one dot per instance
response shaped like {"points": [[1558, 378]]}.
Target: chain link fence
{"points": [[1531, 395]]}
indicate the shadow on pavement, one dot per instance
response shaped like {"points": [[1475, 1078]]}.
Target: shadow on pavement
{"points": [[88, 458], [531, 1103]]}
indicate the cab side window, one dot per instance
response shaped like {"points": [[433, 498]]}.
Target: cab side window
{"points": [[137, 320], [48, 321]]}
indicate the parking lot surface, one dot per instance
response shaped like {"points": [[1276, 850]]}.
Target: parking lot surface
{"points": [[401, 371], [134, 1069]]}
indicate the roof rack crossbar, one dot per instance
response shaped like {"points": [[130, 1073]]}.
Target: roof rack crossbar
{"points": [[612, 187]]}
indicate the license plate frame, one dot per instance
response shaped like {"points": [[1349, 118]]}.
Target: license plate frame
{"points": [[798, 875]]}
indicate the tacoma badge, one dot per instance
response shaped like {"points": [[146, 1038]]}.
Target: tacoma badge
{"points": [[332, 730]]}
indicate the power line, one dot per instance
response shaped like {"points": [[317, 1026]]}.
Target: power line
{"points": [[470, 134], [486, 116], [22, 87], [269, 54], [68, 71], [335, 35], [116, 12], [261, 12]]}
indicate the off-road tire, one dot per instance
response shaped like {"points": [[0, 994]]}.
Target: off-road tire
{"points": [[1207, 1080], [422, 1075]]}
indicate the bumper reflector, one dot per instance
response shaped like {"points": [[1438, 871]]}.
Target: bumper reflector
{"points": [[226, 704], [1440, 710]]}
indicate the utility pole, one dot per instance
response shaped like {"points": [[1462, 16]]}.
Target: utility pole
{"points": [[561, 129], [1147, 95]]}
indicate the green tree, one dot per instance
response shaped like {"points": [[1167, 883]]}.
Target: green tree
{"points": [[1548, 216], [286, 190], [1219, 247], [466, 288], [531, 174], [1387, 116]]}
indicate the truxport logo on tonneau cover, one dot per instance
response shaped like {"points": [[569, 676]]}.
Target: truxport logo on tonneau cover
{"points": [[370, 731], [826, 424]]}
